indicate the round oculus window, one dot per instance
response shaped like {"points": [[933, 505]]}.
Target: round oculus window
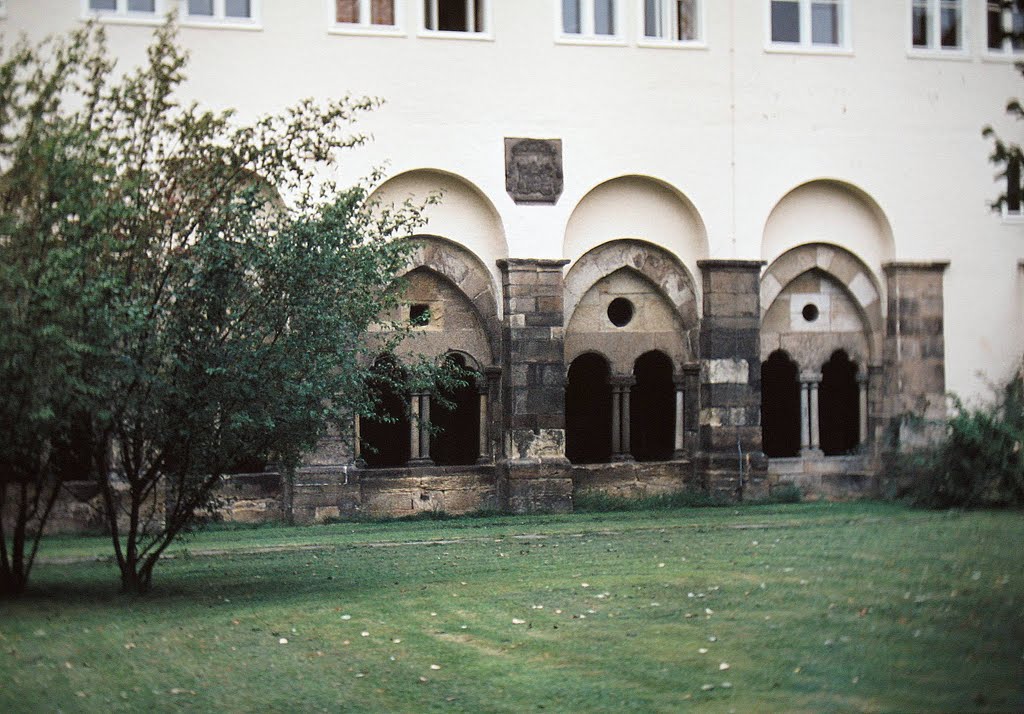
{"points": [[810, 312], [620, 311]]}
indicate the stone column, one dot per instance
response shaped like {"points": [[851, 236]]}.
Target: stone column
{"points": [[862, 384], [357, 441], [815, 382], [621, 415], [914, 355], [805, 416], [483, 450], [414, 427], [534, 474], [679, 443], [691, 407], [730, 363], [419, 430]]}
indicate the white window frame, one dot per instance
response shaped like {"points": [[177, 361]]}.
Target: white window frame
{"points": [[668, 19], [122, 14], [806, 44], [424, 31], [219, 19], [586, 34], [934, 47], [1006, 52], [3, 9], [364, 26]]}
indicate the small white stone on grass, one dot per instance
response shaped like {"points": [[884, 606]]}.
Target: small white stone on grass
{"points": [[724, 666], [703, 650], [346, 617], [282, 641], [517, 621], [706, 687], [364, 633], [435, 666]]}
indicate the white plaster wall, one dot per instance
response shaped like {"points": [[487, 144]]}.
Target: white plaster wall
{"points": [[732, 127]]}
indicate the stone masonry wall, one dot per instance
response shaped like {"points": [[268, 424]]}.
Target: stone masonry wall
{"points": [[914, 356], [730, 374]]}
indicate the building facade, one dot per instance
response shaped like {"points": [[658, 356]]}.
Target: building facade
{"points": [[724, 244]]}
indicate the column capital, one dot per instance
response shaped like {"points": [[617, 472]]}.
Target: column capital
{"points": [[622, 380], [810, 377]]}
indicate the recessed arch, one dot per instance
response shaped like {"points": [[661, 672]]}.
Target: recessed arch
{"points": [[654, 323], [641, 207], [588, 409], [828, 210], [464, 214], [664, 270], [846, 298]]}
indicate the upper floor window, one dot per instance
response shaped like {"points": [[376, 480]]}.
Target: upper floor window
{"points": [[672, 20], [455, 16], [937, 25], [593, 19], [125, 8], [242, 11], [368, 13], [1005, 26], [809, 23]]}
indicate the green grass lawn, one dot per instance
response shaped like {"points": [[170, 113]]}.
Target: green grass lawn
{"points": [[807, 607]]}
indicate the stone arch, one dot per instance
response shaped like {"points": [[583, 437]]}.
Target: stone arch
{"points": [[829, 211], [839, 288], [663, 269], [456, 440], [640, 207], [464, 214], [653, 324], [652, 411], [466, 273], [453, 321], [588, 409]]}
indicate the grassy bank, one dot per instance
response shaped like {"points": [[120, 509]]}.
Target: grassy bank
{"points": [[808, 607]]}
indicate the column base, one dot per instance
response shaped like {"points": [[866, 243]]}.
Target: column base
{"points": [[484, 460], [812, 454], [680, 455], [420, 462], [620, 458]]}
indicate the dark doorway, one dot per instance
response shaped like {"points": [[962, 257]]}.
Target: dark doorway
{"points": [[385, 437], [780, 406], [588, 411], [457, 439], [652, 409], [839, 405]]}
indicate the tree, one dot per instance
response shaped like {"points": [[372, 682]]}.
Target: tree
{"points": [[45, 284], [216, 321], [1007, 155]]}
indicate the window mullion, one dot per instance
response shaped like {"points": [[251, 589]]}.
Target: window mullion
{"points": [[587, 18], [365, 17], [805, 29], [433, 15], [668, 19], [470, 16]]}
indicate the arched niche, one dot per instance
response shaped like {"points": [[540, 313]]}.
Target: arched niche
{"points": [[817, 299], [658, 266], [832, 212], [624, 315], [444, 318], [466, 271], [639, 207], [463, 215]]}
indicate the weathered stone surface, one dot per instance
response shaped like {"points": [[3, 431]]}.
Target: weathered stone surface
{"points": [[635, 479], [533, 170]]}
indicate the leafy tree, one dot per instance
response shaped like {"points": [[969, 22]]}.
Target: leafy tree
{"points": [[1007, 154], [208, 320], [46, 283]]}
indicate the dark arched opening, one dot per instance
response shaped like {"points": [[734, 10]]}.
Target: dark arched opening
{"points": [[652, 408], [780, 406], [456, 440], [588, 411], [385, 435], [839, 405]]}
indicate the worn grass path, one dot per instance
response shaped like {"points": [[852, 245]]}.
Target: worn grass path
{"points": [[810, 607]]}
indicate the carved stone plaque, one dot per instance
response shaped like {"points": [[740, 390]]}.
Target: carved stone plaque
{"points": [[533, 170]]}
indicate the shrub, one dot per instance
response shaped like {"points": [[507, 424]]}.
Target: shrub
{"points": [[978, 463]]}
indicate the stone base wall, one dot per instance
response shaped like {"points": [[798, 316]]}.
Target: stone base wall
{"points": [[631, 479], [830, 478]]}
